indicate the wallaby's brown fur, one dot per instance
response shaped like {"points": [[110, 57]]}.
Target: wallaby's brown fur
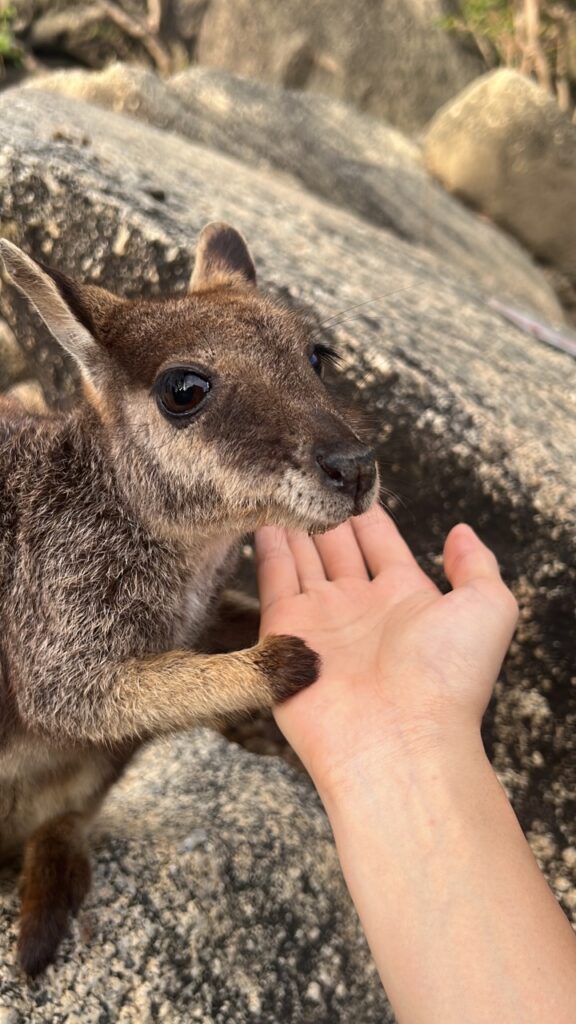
{"points": [[119, 523]]}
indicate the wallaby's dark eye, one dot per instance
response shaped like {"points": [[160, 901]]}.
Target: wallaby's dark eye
{"points": [[321, 355], [316, 361], [180, 392]]}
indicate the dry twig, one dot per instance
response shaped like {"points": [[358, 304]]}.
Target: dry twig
{"points": [[51, 26]]}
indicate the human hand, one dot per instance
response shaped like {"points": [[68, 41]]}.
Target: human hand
{"points": [[404, 667]]}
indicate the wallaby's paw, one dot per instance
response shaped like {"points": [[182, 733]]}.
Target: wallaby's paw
{"points": [[288, 664]]}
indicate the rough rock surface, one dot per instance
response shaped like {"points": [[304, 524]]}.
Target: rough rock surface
{"points": [[504, 146], [216, 897], [352, 160], [392, 59], [474, 420]]}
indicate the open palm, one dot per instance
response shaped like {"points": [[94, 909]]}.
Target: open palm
{"points": [[401, 663]]}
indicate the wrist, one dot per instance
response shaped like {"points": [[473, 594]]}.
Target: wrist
{"points": [[405, 763]]}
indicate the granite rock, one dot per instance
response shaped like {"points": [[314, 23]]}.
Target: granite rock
{"points": [[216, 898], [352, 160], [505, 147], [12, 360], [29, 394], [391, 58]]}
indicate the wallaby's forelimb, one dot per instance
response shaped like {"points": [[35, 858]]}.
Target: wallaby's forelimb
{"points": [[149, 696], [190, 688]]}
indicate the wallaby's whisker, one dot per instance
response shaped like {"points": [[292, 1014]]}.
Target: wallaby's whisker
{"points": [[327, 323]]}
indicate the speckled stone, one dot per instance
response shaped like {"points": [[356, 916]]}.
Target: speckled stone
{"points": [[29, 394], [216, 897], [8, 1015], [356, 162], [391, 57], [12, 361], [504, 145]]}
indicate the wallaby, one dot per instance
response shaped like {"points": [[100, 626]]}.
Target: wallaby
{"points": [[204, 417]]}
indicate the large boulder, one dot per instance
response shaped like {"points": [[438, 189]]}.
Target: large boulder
{"points": [[391, 58], [216, 897], [473, 420], [505, 147], [350, 159]]}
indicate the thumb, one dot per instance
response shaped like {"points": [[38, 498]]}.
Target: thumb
{"points": [[467, 559], [470, 565], [468, 562]]}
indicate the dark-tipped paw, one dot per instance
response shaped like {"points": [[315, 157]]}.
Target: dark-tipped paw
{"points": [[289, 665]]}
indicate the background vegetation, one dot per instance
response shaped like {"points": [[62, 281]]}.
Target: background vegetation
{"points": [[538, 37], [9, 51]]}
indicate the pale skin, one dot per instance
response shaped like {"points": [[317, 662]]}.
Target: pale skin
{"points": [[460, 920]]}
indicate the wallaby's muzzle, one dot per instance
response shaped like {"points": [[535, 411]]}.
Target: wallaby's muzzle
{"points": [[347, 468]]}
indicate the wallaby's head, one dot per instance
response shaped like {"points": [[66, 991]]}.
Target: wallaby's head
{"points": [[212, 400]]}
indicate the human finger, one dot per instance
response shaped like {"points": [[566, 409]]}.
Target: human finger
{"points": [[275, 566], [466, 558], [380, 541], [341, 554], [306, 558], [468, 562]]}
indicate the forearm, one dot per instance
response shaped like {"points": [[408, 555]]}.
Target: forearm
{"points": [[458, 916]]}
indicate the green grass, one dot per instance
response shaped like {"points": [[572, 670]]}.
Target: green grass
{"points": [[9, 51], [490, 19]]}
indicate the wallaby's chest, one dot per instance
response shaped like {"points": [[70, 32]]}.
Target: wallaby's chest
{"points": [[87, 584], [82, 584], [39, 780], [200, 590]]}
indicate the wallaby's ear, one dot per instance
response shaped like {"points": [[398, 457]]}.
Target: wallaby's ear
{"points": [[222, 258], [69, 310]]}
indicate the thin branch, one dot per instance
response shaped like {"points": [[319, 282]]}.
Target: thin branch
{"points": [[137, 30], [154, 19], [533, 56], [49, 27]]}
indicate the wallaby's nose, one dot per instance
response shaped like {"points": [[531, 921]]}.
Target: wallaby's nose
{"points": [[348, 468]]}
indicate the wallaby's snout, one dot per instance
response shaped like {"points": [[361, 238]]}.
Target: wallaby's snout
{"points": [[347, 468]]}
